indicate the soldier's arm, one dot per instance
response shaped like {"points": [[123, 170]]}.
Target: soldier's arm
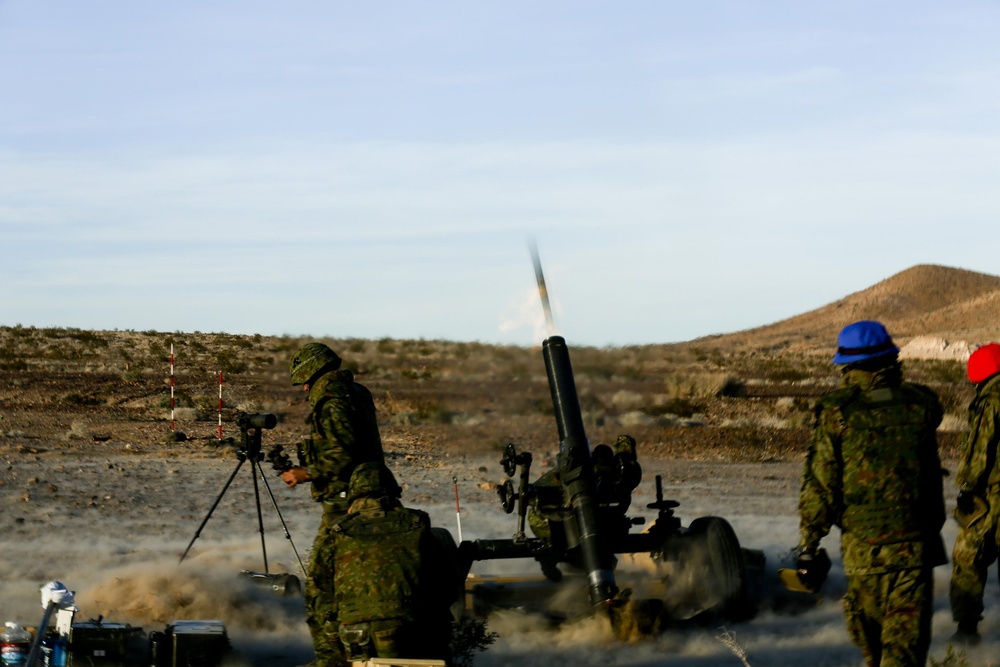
{"points": [[820, 496], [332, 458], [980, 450]]}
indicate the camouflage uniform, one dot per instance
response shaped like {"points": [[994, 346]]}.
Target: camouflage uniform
{"points": [[873, 470], [978, 539], [392, 576], [343, 433]]}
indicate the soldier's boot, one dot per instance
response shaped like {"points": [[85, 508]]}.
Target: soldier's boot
{"points": [[967, 634]]}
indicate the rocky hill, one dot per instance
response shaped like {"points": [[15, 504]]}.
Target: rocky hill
{"points": [[928, 304]]}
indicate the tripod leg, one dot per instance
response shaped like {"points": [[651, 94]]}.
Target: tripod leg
{"points": [[284, 526], [214, 505], [260, 519]]}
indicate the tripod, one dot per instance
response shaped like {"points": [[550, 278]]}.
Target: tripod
{"points": [[251, 426]]}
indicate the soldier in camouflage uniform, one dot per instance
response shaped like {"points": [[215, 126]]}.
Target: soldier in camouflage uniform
{"points": [[978, 507], [873, 470], [343, 433], [394, 581]]}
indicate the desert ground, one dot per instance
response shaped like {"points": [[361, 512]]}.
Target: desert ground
{"points": [[110, 461], [112, 524]]}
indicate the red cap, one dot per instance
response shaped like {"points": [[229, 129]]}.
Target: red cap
{"points": [[984, 363]]}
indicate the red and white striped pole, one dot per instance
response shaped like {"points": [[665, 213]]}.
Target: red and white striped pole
{"points": [[220, 405], [458, 511], [171, 386]]}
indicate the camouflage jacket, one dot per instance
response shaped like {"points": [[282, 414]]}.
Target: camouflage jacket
{"points": [[343, 433], [383, 555], [874, 471], [978, 467]]}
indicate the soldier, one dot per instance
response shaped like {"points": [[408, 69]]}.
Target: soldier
{"points": [[343, 433], [394, 580], [873, 470], [978, 507]]}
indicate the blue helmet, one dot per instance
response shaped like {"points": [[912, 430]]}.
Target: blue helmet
{"points": [[863, 340]]}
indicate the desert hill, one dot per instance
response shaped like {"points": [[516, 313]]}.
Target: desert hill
{"points": [[926, 301]]}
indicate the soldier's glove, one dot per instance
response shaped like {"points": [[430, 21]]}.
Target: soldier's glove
{"points": [[813, 568]]}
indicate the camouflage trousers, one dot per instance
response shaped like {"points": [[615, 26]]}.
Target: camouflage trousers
{"points": [[889, 616], [321, 608], [976, 548]]}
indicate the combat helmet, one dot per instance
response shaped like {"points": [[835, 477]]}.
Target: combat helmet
{"points": [[984, 363], [862, 341], [310, 360], [372, 480]]}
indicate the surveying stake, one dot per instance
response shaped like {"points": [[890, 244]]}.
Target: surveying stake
{"points": [[251, 426], [220, 406], [171, 386], [458, 509]]}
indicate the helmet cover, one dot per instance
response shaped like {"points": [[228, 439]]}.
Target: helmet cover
{"points": [[984, 363], [309, 360], [863, 340]]}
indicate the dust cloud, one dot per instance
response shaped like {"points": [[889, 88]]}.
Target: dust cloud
{"points": [[121, 557], [155, 594]]}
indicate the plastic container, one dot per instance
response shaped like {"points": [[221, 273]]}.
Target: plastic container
{"points": [[54, 650], [15, 645]]}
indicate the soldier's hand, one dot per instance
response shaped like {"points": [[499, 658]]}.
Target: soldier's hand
{"points": [[813, 568], [295, 476]]}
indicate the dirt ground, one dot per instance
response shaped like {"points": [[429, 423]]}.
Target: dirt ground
{"points": [[96, 491], [112, 523]]}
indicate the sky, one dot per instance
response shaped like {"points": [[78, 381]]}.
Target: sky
{"points": [[377, 169]]}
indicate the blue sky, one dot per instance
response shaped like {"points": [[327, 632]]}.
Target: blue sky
{"points": [[371, 169]]}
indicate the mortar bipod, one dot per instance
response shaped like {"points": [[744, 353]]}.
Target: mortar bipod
{"points": [[510, 461]]}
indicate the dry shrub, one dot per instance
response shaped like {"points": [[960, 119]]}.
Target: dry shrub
{"points": [[469, 636], [627, 399], [248, 406], [728, 640], [701, 384], [187, 414], [79, 431]]}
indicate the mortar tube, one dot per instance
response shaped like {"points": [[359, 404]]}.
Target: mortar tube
{"points": [[575, 469]]}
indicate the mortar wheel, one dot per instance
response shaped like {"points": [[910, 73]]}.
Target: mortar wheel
{"points": [[727, 570]]}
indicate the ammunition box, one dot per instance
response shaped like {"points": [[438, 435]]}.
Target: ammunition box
{"points": [[198, 643], [96, 643]]}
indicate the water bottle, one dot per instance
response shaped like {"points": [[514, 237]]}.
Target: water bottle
{"points": [[15, 645], [54, 650], [60, 651]]}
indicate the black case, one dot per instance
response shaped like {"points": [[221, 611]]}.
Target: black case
{"points": [[97, 643]]}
